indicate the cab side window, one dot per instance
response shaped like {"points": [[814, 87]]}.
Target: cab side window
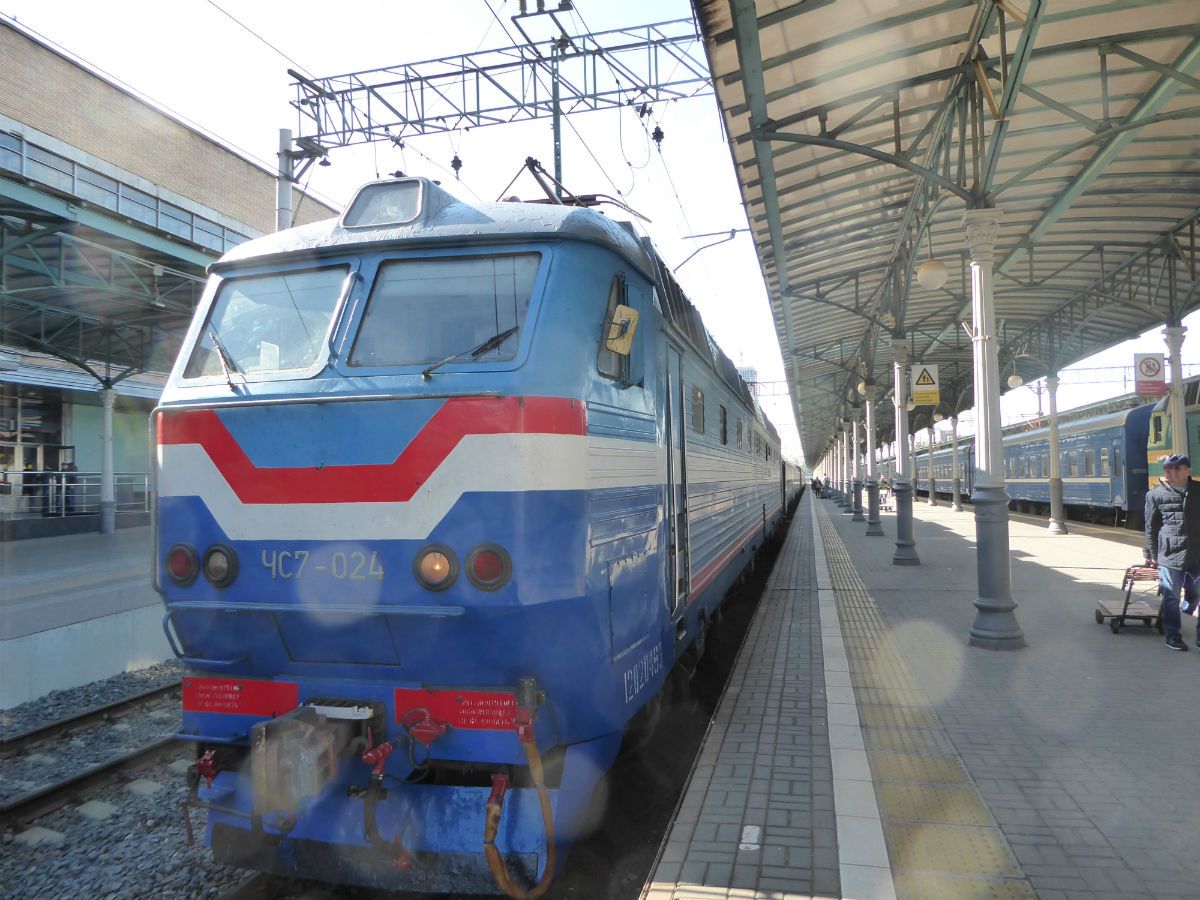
{"points": [[626, 368], [610, 363]]}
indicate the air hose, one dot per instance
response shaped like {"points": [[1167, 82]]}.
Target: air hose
{"points": [[500, 784]]}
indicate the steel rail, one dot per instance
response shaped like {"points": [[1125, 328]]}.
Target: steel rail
{"points": [[15, 744], [44, 800]]}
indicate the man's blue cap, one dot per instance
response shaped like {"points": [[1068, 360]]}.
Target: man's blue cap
{"points": [[1177, 459]]}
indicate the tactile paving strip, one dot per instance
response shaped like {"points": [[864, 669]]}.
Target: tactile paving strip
{"points": [[907, 740], [920, 803], [942, 841], [941, 887], [913, 769], [969, 851]]}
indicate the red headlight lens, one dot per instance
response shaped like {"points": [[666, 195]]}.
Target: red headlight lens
{"points": [[182, 564], [489, 567]]}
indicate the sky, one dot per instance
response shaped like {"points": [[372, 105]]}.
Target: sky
{"points": [[222, 65]]}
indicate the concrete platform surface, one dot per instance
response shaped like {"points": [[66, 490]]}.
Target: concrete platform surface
{"points": [[75, 609], [863, 749]]}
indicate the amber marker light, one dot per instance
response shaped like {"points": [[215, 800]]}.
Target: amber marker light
{"points": [[220, 565], [435, 567]]}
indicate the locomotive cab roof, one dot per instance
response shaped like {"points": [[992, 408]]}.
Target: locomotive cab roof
{"points": [[419, 211]]}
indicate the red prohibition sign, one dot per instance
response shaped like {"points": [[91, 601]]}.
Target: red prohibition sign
{"points": [[1149, 367]]}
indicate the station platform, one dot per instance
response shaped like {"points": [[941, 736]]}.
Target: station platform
{"points": [[75, 609], [863, 750]]}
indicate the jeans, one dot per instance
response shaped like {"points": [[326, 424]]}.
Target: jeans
{"points": [[1170, 581]]}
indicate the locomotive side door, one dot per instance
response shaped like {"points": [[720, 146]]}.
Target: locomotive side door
{"points": [[677, 524]]}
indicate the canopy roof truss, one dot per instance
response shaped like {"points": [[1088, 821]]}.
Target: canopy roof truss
{"points": [[861, 131]]}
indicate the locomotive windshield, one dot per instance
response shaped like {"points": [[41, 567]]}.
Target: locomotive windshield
{"points": [[425, 310], [268, 323]]}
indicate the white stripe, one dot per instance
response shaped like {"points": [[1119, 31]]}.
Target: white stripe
{"points": [[492, 463]]}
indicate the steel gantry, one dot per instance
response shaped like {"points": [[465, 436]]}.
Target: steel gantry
{"points": [[990, 186]]}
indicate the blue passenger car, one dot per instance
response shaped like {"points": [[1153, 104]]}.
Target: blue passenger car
{"points": [[444, 492], [1103, 459]]}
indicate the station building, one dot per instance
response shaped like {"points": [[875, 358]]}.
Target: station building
{"points": [[111, 208]]}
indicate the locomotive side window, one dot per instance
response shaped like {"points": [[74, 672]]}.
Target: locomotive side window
{"points": [[425, 310], [724, 426], [697, 410], [268, 323], [610, 363]]}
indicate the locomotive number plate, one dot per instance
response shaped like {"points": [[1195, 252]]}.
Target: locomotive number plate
{"points": [[343, 565]]}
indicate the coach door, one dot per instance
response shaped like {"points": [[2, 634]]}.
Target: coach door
{"points": [[677, 524]]}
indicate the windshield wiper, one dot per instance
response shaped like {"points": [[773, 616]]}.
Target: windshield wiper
{"points": [[228, 365], [475, 352]]}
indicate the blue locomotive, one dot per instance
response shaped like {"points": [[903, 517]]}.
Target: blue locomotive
{"points": [[443, 494], [1103, 464]]}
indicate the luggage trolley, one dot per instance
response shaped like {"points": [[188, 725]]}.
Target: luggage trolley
{"points": [[1134, 607]]}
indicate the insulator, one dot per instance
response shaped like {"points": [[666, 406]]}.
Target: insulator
{"points": [[658, 136], [456, 164]]}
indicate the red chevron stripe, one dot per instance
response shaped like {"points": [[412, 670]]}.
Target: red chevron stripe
{"points": [[394, 482]]}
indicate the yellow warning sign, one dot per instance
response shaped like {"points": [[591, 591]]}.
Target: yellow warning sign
{"points": [[925, 385]]}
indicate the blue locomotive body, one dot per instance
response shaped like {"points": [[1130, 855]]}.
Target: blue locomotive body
{"points": [[443, 493]]}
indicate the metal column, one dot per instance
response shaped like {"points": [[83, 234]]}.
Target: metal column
{"points": [[995, 625], [956, 503], [1058, 522], [932, 501], [1174, 337], [108, 501], [873, 526], [847, 471], [856, 474], [902, 488], [283, 181]]}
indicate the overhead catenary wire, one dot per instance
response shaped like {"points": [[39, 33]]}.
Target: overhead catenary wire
{"points": [[303, 69]]}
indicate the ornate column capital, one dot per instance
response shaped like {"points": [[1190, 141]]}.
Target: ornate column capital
{"points": [[1173, 335], [981, 226]]}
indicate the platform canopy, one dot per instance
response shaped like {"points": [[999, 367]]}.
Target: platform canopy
{"points": [[861, 130]]}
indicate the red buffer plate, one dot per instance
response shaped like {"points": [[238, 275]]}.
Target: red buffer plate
{"points": [[239, 696], [479, 710]]}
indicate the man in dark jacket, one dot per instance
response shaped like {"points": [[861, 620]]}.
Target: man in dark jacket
{"points": [[1173, 542]]}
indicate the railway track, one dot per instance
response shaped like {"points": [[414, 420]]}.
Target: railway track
{"points": [[37, 803], [109, 712], [29, 806]]}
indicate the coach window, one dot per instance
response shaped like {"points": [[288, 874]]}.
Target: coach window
{"points": [[697, 410], [1105, 471], [1072, 464], [1089, 463], [739, 433], [1116, 460], [724, 426]]}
